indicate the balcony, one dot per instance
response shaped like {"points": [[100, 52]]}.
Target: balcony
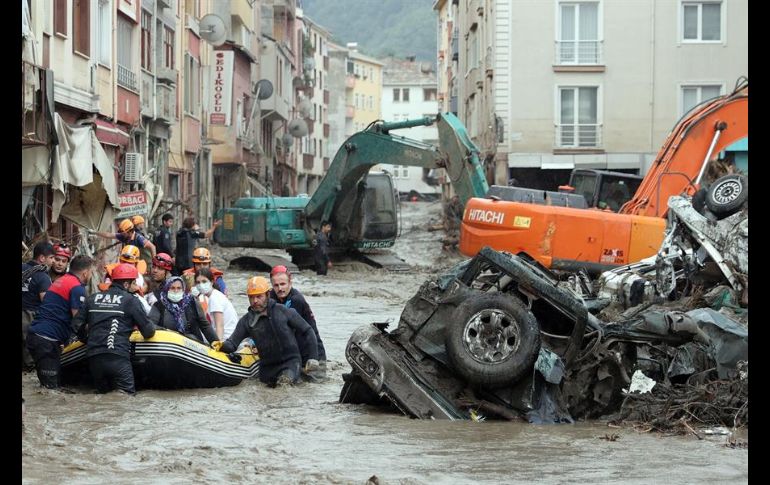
{"points": [[578, 135], [167, 75], [127, 78], [166, 103], [350, 81], [350, 111], [579, 52]]}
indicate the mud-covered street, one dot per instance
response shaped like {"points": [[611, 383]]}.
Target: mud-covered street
{"points": [[251, 433]]}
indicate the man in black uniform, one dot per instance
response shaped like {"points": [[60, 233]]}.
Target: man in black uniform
{"points": [[108, 319], [321, 250], [279, 333], [163, 235], [35, 281], [185, 243]]}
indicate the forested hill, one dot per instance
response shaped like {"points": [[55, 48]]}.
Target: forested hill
{"points": [[381, 27]]}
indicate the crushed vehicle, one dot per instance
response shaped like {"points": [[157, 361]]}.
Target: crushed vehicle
{"points": [[502, 336]]}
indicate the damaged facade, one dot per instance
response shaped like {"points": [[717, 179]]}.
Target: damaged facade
{"points": [[142, 77]]}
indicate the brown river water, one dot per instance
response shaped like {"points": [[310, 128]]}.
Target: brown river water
{"points": [[253, 434]]}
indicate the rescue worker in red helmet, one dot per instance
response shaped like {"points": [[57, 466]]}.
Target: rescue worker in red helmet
{"points": [[106, 321], [128, 236], [201, 258], [280, 335], [162, 266], [61, 259]]}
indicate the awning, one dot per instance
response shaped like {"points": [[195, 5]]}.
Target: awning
{"points": [[82, 196], [111, 134]]}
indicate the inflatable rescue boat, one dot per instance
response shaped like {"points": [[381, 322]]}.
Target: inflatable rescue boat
{"points": [[168, 360]]}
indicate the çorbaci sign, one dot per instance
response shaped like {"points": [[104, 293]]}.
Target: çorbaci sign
{"points": [[133, 203]]}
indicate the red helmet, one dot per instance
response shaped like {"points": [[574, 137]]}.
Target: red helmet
{"points": [[163, 261], [124, 271], [280, 269], [62, 250]]}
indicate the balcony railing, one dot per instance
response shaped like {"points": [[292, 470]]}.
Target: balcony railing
{"points": [[126, 78], [579, 52], [166, 98], [350, 111], [579, 135]]}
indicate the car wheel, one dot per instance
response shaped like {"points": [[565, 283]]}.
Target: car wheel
{"points": [[493, 340], [728, 194]]}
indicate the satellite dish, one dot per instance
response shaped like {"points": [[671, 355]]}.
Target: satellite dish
{"points": [[212, 29], [298, 128], [426, 67], [263, 89], [287, 140], [304, 108]]}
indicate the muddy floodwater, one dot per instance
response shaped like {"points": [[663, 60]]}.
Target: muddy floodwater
{"points": [[253, 434]]}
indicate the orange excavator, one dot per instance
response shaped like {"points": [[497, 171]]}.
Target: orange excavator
{"points": [[573, 229]]}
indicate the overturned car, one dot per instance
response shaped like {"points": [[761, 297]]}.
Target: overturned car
{"points": [[501, 336]]}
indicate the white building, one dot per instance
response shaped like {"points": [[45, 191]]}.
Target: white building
{"points": [[409, 91], [544, 87]]}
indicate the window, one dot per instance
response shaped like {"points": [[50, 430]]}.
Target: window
{"points": [[357, 101], [396, 94], [405, 94], [473, 49], [192, 7], [104, 33], [350, 68], [81, 26], [702, 21], [429, 94], [146, 40], [60, 17], [578, 33], [578, 118], [694, 95], [168, 48], [191, 84], [239, 124], [371, 102], [126, 74]]}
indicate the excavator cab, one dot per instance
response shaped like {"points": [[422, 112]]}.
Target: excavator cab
{"points": [[603, 189], [380, 222]]}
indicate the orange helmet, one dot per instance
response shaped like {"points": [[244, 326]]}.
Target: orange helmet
{"points": [[129, 254], [136, 220], [201, 255], [257, 285], [125, 225], [124, 272]]}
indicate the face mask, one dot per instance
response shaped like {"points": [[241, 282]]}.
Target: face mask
{"points": [[175, 297], [204, 288]]}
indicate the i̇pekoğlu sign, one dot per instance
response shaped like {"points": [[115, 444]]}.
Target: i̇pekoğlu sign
{"points": [[221, 88], [133, 203]]}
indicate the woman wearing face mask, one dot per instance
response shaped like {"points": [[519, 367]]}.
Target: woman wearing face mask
{"points": [[219, 309], [177, 310]]}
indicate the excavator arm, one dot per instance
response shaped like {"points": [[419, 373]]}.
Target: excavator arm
{"points": [[340, 194], [704, 131]]}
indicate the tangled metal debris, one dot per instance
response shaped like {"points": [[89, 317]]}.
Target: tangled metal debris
{"points": [[662, 342]]}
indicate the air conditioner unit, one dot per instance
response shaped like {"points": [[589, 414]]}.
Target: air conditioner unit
{"points": [[134, 167]]}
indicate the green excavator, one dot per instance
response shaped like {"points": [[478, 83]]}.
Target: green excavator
{"points": [[361, 205]]}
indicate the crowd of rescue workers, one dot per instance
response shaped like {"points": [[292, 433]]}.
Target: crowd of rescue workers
{"points": [[154, 286]]}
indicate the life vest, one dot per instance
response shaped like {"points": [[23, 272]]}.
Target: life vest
{"points": [[103, 286]]}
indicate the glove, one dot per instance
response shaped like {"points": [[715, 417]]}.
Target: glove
{"points": [[234, 357], [216, 345], [310, 366]]}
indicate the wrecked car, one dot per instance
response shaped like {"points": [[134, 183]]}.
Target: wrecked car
{"points": [[500, 335]]}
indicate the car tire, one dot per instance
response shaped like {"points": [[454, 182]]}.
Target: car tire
{"points": [[493, 340], [727, 194]]}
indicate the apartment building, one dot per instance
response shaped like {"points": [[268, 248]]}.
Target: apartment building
{"points": [[409, 91], [313, 106], [545, 87], [363, 90]]}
